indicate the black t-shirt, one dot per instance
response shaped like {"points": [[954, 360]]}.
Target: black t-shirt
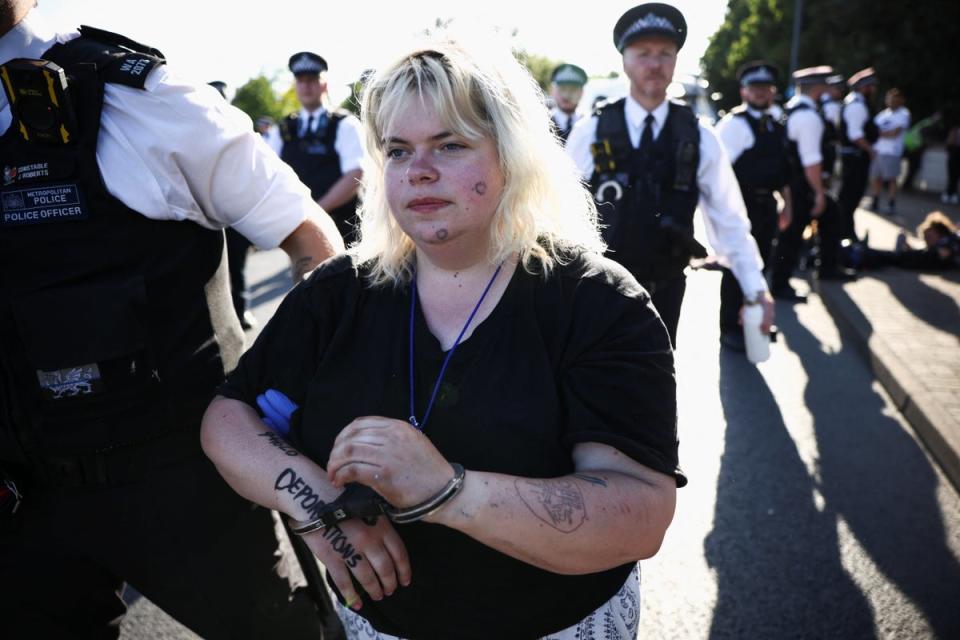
{"points": [[580, 356]]}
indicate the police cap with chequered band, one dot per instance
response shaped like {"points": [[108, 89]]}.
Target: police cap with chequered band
{"points": [[650, 19], [812, 75], [569, 74], [306, 62], [757, 72]]}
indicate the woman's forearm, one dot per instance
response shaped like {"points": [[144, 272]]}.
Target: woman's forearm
{"points": [[260, 465], [581, 523]]}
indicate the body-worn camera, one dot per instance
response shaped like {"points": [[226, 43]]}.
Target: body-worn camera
{"points": [[39, 101]]}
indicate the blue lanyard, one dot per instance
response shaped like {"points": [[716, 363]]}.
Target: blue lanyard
{"points": [[443, 369]]}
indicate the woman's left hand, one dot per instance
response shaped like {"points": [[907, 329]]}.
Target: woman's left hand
{"points": [[390, 456]]}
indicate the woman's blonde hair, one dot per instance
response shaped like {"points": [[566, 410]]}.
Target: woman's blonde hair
{"points": [[544, 210]]}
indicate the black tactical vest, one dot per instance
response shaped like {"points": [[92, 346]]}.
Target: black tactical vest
{"points": [[798, 183], [766, 164], [114, 328], [316, 162], [831, 138], [646, 202]]}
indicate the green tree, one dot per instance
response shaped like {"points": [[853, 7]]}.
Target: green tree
{"points": [[910, 44], [540, 67], [256, 98]]}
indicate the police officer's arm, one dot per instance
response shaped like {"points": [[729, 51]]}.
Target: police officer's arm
{"points": [[806, 129], [856, 115], [786, 213], [342, 191], [726, 223], [349, 148], [267, 470], [312, 242]]}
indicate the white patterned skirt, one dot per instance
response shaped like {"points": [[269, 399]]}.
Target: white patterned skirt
{"points": [[616, 619]]}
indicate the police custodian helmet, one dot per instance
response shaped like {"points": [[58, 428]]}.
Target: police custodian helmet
{"points": [[650, 19]]}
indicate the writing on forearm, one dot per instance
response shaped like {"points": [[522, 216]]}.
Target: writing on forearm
{"points": [[292, 483], [558, 503], [279, 443]]}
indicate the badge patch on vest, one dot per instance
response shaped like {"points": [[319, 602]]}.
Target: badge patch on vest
{"points": [[13, 174], [83, 380], [37, 205]]}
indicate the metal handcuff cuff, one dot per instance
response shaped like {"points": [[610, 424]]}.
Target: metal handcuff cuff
{"points": [[360, 501]]}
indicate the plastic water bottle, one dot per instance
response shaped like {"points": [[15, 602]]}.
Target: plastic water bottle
{"points": [[757, 342]]}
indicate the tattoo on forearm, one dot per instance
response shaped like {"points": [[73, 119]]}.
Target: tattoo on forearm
{"points": [[279, 443], [591, 479], [558, 503], [302, 267], [289, 481]]}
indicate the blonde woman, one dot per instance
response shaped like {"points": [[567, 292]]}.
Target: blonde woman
{"points": [[505, 390]]}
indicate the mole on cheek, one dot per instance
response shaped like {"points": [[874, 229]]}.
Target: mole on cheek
{"points": [[480, 188], [442, 234]]}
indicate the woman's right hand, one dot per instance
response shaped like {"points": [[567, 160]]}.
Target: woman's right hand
{"points": [[375, 555]]}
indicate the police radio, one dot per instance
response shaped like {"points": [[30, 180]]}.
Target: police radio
{"points": [[39, 101]]}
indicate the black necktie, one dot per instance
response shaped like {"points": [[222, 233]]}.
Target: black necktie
{"points": [[765, 122], [646, 139], [309, 129]]}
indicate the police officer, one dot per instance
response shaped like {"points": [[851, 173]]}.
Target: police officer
{"points": [[321, 145], [805, 130], [831, 107], [650, 163], [858, 132], [756, 143], [238, 246], [115, 328], [566, 89]]}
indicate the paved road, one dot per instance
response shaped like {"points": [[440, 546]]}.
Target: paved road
{"points": [[812, 510]]}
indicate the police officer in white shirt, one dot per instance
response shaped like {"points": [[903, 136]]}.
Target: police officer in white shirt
{"points": [[651, 163], [322, 145], [831, 106], [566, 89], [858, 132], [116, 326], [805, 130], [892, 124], [756, 143]]}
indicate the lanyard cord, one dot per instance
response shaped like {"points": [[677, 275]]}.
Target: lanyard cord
{"points": [[443, 369]]}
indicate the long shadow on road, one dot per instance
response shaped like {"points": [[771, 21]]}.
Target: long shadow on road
{"points": [[876, 478], [775, 554]]}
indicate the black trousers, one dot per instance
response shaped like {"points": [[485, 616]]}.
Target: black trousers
{"points": [[762, 211], [180, 536], [789, 243], [237, 247], [953, 169], [856, 171]]}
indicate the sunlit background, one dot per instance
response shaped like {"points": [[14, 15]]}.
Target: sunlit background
{"points": [[217, 40]]}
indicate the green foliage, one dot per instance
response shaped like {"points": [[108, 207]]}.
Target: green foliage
{"points": [[256, 98], [910, 44], [540, 67]]}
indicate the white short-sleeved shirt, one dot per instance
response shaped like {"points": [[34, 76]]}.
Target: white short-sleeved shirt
{"points": [[831, 110], [176, 151], [564, 120], [348, 143], [855, 114], [890, 120], [725, 217], [805, 127], [736, 134]]}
